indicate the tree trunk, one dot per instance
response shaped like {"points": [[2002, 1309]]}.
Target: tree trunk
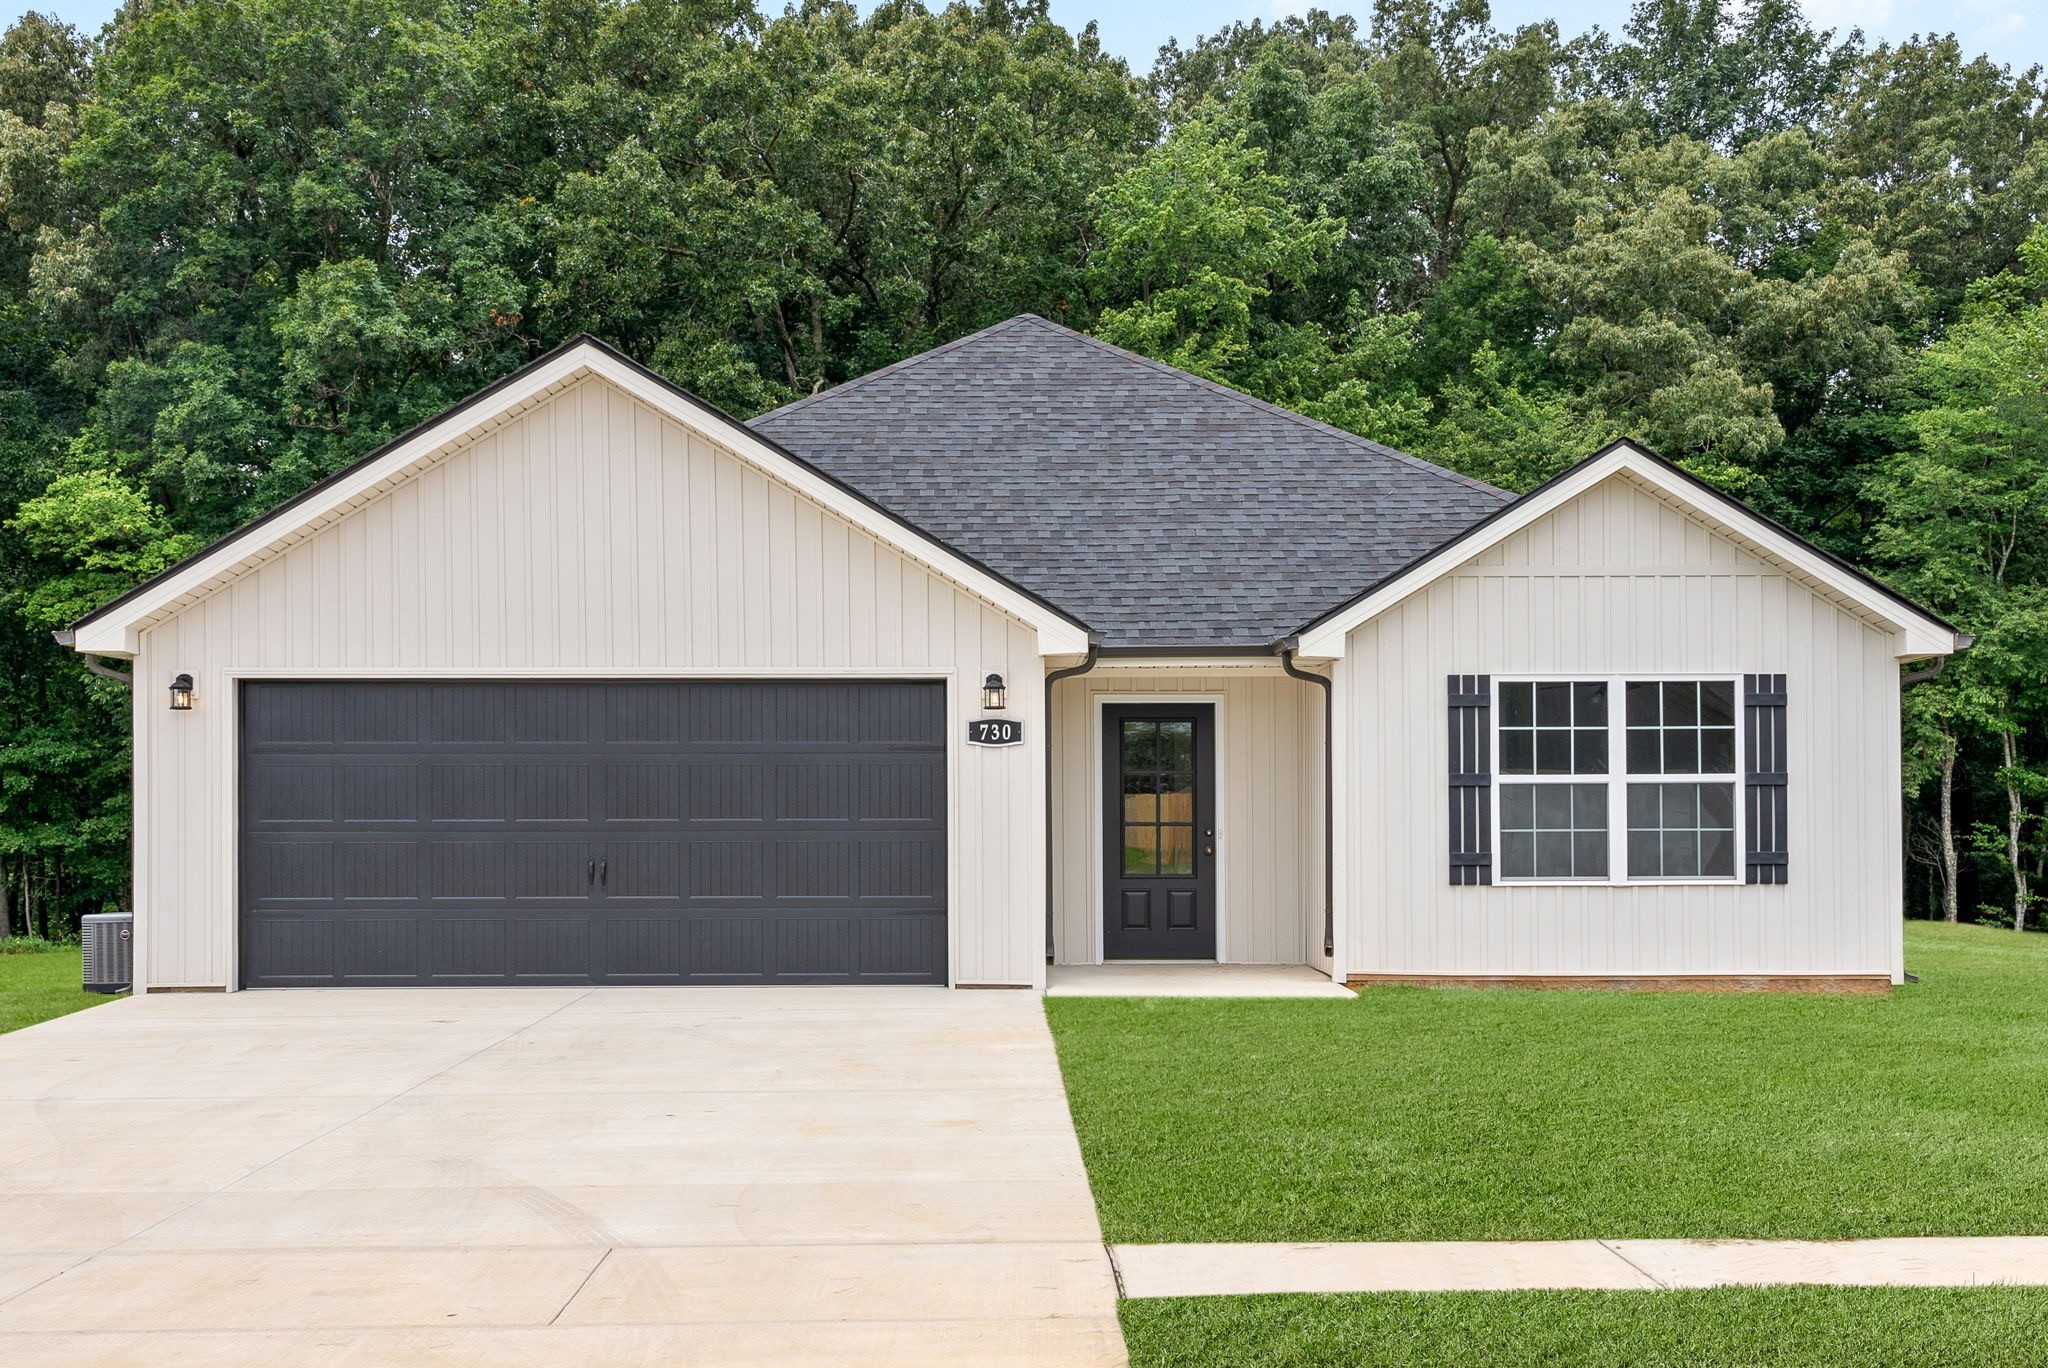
{"points": [[1949, 895], [6, 903], [2015, 821]]}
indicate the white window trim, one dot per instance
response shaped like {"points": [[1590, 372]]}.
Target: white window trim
{"points": [[1618, 778]]}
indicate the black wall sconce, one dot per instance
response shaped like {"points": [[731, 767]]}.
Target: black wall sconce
{"points": [[994, 696], [181, 693]]}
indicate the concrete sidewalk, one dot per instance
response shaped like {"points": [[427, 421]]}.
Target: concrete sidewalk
{"points": [[1212, 1270]]}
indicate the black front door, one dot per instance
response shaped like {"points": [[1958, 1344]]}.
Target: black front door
{"points": [[1159, 831]]}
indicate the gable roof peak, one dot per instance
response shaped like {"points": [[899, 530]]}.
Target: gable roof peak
{"points": [[114, 627], [1921, 633]]}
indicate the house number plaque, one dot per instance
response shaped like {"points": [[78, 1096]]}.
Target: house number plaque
{"points": [[994, 731]]}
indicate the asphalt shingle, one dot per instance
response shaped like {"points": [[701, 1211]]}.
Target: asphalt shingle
{"points": [[1159, 508]]}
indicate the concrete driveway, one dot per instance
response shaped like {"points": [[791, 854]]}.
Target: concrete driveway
{"points": [[547, 1177]]}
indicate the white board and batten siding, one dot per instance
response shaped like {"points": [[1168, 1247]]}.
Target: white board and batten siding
{"points": [[589, 537], [1269, 756], [1619, 581]]}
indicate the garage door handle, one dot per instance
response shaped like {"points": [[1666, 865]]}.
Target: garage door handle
{"points": [[590, 874], [603, 869]]}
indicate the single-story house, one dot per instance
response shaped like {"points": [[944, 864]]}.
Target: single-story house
{"points": [[1025, 650]]}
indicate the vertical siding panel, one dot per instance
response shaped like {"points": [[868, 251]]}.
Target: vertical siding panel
{"points": [[1267, 808], [781, 574], [887, 633], [757, 583], [725, 513], [402, 604], [1699, 603], [703, 587], [671, 534], [590, 535]]}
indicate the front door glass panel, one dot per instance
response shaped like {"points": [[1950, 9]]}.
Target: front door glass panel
{"points": [[1157, 769]]}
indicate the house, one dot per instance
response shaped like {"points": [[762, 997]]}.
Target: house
{"points": [[1026, 649]]}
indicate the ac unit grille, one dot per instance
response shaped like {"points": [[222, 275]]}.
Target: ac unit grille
{"points": [[109, 942]]}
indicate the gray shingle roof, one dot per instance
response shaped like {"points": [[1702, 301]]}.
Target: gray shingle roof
{"points": [[1159, 508]]}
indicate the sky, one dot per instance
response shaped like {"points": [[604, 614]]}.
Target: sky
{"points": [[2012, 31]]}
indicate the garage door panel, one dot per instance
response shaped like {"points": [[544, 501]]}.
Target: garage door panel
{"points": [[734, 869], [376, 948], [377, 871], [293, 950], [645, 793], [547, 871], [911, 873], [727, 791], [382, 792], [727, 948], [887, 718], [643, 871], [468, 871], [638, 831], [287, 870], [465, 946], [906, 792], [288, 793], [893, 948]]}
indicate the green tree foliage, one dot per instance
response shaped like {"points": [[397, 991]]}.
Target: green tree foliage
{"points": [[1726, 73], [1961, 513], [1194, 234], [242, 242]]}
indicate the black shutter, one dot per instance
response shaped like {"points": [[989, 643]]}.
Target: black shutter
{"points": [[1763, 720], [1471, 779]]}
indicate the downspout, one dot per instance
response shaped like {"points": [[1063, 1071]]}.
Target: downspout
{"points": [[1323, 682], [65, 638], [1094, 654], [1920, 676], [1923, 674], [1927, 672]]}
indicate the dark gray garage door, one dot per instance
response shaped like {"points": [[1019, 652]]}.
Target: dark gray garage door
{"points": [[617, 832]]}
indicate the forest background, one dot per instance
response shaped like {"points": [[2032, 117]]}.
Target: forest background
{"points": [[243, 242]]}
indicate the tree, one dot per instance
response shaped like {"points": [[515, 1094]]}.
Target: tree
{"points": [[1726, 73], [1451, 74], [1961, 515], [242, 244], [1338, 155], [1192, 236], [1941, 157], [1318, 45]]}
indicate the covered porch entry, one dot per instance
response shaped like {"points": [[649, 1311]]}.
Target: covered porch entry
{"points": [[1187, 815]]}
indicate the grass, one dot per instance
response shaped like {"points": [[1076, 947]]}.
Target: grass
{"points": [[1454, 1114], [39, 981], [1728, 1327]]}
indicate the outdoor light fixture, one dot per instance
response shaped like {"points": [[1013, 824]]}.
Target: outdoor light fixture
{"points": [[181, 693], [994, 697]]}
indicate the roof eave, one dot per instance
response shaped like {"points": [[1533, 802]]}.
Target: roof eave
{"points": [[1921, 634]]}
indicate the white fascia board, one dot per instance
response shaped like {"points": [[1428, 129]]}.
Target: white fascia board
{"points": [[1917, 635], [119, 633]]}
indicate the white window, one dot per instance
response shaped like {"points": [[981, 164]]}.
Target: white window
{"points": [[1626, 779]]}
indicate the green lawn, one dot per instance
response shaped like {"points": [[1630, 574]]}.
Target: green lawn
{"points": [[38, 984], [1729, 1327], [1416, 1114]]}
